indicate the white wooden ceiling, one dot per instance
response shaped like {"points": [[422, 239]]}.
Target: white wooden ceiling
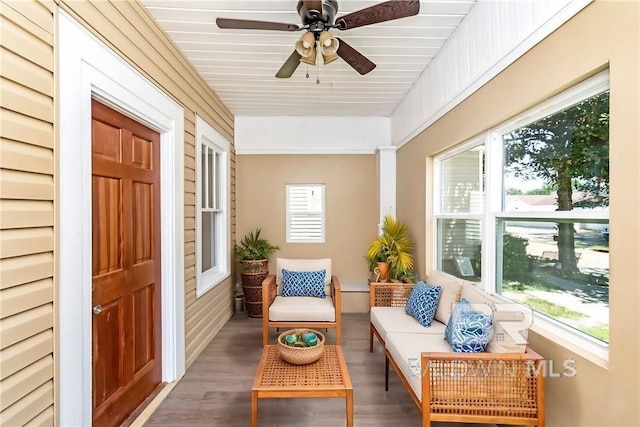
{"points": [[240, 65]]}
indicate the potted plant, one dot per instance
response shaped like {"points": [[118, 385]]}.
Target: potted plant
{"points": [[394, 247], [253, 253]]}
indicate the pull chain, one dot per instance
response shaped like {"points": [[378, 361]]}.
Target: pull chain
{"points": [[317, 74]]}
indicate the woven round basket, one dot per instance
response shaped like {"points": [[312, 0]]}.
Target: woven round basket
{"points": [[300, 355]]}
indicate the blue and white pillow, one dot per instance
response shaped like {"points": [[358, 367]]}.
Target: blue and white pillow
{"points": [[468, 331], [303, 283], [423, 302]]}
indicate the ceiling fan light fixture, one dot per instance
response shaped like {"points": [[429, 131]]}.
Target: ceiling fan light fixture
{"points": [[328, 59], [328, 43], [306, 46], [310, 59]]}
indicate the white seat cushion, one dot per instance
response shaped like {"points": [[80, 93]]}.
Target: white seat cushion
{"points": [[405, 350], [394, 319], [302, 309]]}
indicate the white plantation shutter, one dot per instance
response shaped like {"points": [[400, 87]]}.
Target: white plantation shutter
{"points": [[305, 213]]}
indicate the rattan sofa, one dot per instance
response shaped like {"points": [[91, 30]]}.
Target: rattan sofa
{"points": [[503, 385]]}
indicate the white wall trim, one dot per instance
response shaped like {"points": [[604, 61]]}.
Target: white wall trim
{"points": [[83, 65], [471, 58], [387, 184], [310, 135], [282, 151]]}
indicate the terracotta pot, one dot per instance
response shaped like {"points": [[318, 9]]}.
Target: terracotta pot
{"points": [[382, 271]]}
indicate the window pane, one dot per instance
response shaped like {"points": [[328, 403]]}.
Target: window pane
{"points": [[215, 230], [560, 269], [462, 182], [560, 162], [459, 247], [204, 172], [211, 182], [207, 241], [218, 180]]}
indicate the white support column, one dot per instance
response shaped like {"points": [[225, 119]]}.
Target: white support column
{"points": [[387, 177]]}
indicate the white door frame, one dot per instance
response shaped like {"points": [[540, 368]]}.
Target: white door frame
{"points": [[88, 69]]}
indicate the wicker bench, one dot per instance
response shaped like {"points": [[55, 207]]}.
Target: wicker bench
{"points": [[502, 388]]}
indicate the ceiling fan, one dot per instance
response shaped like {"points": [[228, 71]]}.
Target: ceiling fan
{"points": [[318, 16]]}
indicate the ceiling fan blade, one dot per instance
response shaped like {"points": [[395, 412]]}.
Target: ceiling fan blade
{"points": [[387, 11], [358, 61], [289, 66], [244, 24]]}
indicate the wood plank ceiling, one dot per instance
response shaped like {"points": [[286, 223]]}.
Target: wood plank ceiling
{"points": [[240, 65]]}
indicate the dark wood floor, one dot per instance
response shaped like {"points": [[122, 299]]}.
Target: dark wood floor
{"points": [[216, 390]]}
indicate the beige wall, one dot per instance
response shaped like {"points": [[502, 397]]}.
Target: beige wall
{"points": [[350, 200], [605, 34], [28, 148]]}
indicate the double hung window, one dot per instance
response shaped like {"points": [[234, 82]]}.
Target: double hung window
{"points": [[212, 207], [524, 210]]}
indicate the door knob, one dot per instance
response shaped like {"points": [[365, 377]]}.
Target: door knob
{"points": [[97, 309]]}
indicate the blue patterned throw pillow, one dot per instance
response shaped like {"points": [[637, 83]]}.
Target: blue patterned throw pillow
{"points": [[423, 302], [468, 331], [303, 283]]}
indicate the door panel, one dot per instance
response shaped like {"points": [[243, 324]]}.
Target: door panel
{"points": [[126, 264], [107, 227], [142, 222]]}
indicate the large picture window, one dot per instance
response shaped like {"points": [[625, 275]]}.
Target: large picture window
{"points": [[531, 217], [212, 206]]}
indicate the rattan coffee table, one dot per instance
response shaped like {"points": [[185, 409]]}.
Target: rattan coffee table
{"points": [[277, 379]]}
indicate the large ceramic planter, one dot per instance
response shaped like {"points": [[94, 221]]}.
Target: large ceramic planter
{"points": [[253, 274]]}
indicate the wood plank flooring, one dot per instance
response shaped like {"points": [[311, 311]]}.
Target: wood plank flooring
{"points": [[216, 390]]}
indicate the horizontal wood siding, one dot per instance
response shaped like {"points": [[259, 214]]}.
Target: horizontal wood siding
{"points": [[26, 213], [130, 31], [27, 185]]}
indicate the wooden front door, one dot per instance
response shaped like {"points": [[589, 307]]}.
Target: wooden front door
{"points": [[126, 264]]}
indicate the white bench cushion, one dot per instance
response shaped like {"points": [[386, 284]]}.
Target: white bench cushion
{"points": [[394, 319], [302, 309], [406, 349]]}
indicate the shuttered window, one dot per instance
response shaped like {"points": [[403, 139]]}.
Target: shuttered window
{"points": [[305, 213]]}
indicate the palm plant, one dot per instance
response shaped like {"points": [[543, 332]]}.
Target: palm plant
{"points": [[394, 247], [253, 247]]}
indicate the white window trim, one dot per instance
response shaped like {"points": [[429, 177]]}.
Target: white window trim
{"points": [[205, 281], [288, 214], [577, 341]]}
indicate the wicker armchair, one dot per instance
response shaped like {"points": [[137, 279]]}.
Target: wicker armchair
{"points": [[301, 311]]}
